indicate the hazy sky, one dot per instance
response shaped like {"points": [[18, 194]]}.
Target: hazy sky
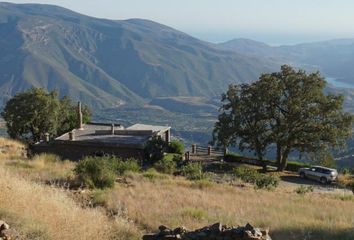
{"points": [[271, 21]]}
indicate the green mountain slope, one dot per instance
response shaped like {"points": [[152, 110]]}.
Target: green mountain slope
{"points": [[108, 63], [334, 58]]}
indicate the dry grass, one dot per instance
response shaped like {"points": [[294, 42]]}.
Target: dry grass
{"points": [[151, 199], [42, 168], [176, 202], [41, 212], [10, 149], [345, 179]]}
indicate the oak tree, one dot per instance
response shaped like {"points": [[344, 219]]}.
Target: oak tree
{"points": [[286, 109], [31, 114]]}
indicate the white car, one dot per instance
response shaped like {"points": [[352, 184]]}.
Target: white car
{"points": [[318, 173]]}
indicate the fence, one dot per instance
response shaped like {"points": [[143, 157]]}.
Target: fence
{"points": [[197, 150]]}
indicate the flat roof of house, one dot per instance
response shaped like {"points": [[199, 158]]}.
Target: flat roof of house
{"points": [[88, 131], [154, 128], [134, 136]]}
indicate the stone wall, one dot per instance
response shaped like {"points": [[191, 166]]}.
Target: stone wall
{"points": [[76, 151], [213, 232]]}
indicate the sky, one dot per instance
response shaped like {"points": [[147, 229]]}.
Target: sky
{"points": [[275, 22]]}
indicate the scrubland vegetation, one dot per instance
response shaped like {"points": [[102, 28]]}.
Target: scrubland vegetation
{"points": [[42, 199]]}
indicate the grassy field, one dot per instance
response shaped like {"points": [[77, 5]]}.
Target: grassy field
{"points": [[140, 202]]}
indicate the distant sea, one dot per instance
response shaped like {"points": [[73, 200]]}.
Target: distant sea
{"points": [[340, 84]]}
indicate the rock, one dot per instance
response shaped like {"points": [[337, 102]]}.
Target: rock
{"points": [[165, 232], [265, 231], [180, 230], [213, 232], [216, 228], [169, 237], [4, 226], [162, 228], [150, 237]]}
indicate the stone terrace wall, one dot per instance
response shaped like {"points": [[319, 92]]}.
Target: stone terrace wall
{"points": [[212, 232]]}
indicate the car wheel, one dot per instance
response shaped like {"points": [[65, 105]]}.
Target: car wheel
{"points": [[323, 180], [302, 175]]}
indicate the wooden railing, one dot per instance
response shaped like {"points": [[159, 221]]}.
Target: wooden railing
{"points": [[197, 150]]}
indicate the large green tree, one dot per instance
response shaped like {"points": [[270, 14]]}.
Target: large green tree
{"points": [[286, 109], [31, 114]]}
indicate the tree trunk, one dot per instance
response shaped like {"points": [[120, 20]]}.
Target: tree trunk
{"points": [[279, 158], [264, 165], [284, 161]]}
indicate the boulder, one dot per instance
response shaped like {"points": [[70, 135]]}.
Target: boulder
{"points": [[213, 232]]}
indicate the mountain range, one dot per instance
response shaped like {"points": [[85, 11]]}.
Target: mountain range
{"points": [[111, 63], [108, 63], [333, 58]]}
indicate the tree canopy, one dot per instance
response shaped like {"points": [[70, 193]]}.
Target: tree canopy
{"points": [[31, 114], [286, 109]]}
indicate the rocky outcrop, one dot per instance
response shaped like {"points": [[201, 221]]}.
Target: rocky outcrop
{"points": [[6, 233], [212, 232]]}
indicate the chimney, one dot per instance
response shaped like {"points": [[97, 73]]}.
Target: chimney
{"points": [[71, 136], [46, 137], [79, 116], [112, 129]]}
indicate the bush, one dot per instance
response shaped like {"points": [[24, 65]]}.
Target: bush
{"points": [[176, 146], [154, 149], [345, 171], [193, 171], [261, 181], [96, 172], [302, 190], [122, 166], [291, 166], [166, 165], [264, 181], [295, 166], [246, 174], [99, 198], [152, 174], [202, 184]]}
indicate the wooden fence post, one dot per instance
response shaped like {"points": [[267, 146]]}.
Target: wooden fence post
{"points": [[187, 156], [194, 148]]}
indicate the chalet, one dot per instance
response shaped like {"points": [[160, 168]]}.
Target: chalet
{"points": [[101, 138]]}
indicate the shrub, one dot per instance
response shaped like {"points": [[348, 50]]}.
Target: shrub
{"points": [[295, 166], [165, 165], [264, 181], [344, 197], [202, 184], [99, 198], [154, 149], [246, 174], [345, 171], [193, 171], [123, 166], [302, 190], [260, 180], [176, 146], [96, 172], [152, 174]]}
